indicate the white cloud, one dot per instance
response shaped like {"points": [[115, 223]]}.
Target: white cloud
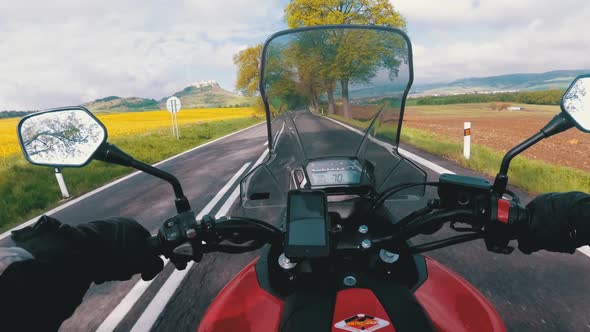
{"points": [[463, 38], [495, 12], [69, 52]]}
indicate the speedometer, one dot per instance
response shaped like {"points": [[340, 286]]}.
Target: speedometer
{"points": [[334, 172]]}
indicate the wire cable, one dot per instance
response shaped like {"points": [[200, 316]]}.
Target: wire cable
{"points": [[389, 192]]}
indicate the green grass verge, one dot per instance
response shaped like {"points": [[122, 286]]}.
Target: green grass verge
{"points": [[532, 176], [27, 190]]}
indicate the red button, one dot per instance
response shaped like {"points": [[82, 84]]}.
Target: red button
{"points": [[503, 210]]}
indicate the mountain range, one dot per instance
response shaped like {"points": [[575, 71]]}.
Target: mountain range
{"points": [[209, 94], [204, 94], [558, 79]]}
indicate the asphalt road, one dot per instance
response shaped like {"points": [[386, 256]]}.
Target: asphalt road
{"points": [[540, 292]]}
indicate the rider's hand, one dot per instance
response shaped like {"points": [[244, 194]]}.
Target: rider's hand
{"points": [[558, 222], [111, 249]]}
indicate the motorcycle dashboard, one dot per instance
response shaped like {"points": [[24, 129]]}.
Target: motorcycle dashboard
{"points": [[334, 172]]}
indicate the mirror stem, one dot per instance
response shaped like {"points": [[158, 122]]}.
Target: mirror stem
{"points": [[558, 124], [112, 154]]}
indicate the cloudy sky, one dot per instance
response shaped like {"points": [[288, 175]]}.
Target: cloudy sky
{"points": [[65, 52]]}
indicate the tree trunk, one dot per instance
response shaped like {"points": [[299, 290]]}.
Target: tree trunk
{"points": [[345, 103], [331, 107], [315, 100]]}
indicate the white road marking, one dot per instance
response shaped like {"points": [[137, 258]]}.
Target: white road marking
{"points": [[427, 163], [342, 124], [223, 191], [98, 190], [585, 250], [159, 302], [224, 209], [123, 308], [261, 158], [276, 140], [438, 169], [152, 312]]}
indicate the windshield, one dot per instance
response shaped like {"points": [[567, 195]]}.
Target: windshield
{"points": [[333, 92]]}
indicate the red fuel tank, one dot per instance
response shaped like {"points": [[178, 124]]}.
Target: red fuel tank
{"points": [[452, 304]]}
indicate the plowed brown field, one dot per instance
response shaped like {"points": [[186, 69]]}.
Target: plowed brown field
{"points": [[501, 130]]}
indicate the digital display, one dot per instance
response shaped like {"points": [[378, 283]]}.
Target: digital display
{"points": [[307, 225], [334, 172], [307, 221], [307, 232]]}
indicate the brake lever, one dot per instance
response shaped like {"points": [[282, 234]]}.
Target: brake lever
{"points": [[463, 229], [180, 256], [498, 246], [420, 248]]}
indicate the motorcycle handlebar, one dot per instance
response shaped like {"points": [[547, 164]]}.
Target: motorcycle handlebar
{"points": [[256, 229], [182, 239], [505, 220]]}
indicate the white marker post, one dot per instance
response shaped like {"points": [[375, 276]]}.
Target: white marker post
{"points": [[65, 194], [467, 140], [173, 106]]}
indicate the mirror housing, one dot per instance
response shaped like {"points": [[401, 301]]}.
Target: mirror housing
{"points": [[61, 137], [575, 103], [72, 137]]}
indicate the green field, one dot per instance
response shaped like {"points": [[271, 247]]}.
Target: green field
{"points": [[27, 190], [533, 176], [545, 97], [530, 175]]}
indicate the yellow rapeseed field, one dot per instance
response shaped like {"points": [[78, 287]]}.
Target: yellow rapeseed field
{"points": [[121, 124], [8, 140]]}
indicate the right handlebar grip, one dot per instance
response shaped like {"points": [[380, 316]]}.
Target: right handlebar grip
{"points": [[155, 245]]}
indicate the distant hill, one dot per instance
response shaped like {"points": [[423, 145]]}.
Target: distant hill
{"points": [[118, 104], [559, 79], [206, 94], [14, 114]]}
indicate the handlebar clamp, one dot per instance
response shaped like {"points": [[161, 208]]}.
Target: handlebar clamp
{"points": [[178, 237]]}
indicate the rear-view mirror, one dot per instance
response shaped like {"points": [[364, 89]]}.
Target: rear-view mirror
{"points": [[576, 102], [64, 137]]}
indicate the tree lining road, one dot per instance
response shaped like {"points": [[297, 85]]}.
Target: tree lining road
{"points": [[544, 291]]}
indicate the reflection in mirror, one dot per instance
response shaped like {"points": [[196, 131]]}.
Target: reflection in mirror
{"points": [[576, 102], [61, 138]]}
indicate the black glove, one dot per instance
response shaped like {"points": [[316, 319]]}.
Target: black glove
{"points": [[111, 249], [558, 222]]}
